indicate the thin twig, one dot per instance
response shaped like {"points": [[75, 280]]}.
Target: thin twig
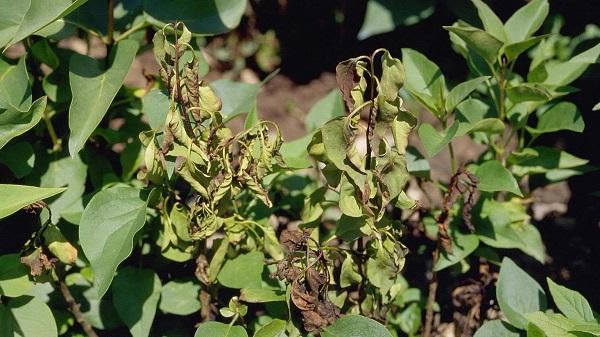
{"points": [[74, 308], [110, 27], [433, 285]]}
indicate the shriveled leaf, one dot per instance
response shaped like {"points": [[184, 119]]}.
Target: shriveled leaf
{"points": [[135, 295], [15, 197], [93, 89], [518, 294], [107, 228]]}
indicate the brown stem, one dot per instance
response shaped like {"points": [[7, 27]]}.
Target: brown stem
{"points": [[110, 27], [74, 308], [433, 285]]}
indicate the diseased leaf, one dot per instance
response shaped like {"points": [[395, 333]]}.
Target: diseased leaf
{"points": [[15, 197], [107, 228], [571, 303], [518, 294], [135, 295], [526, 21], [93, 89], [493, 177]]}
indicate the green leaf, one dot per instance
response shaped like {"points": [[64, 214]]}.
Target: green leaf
{"points": [[518, 294], [294, 152], [19, 158], [591, 328], [14, 277], [71, 172], [355, 326], [563, 73], [25, 17], [15, 89], [491, 23], [526, 21], [155, 105], [513, 50], [424, 80], [350, 228], [135, 295], [433, 141], [243, 271], [259, 295], [200, 17], [384, 16], [217, 329], [349, 274], [99, 312], [335, 142], [571, 303], [416, 164], [107, 228], [15, 197], [462, 246], [506, 225], [528, 92], [180, 297], [31, 318], [461, 91], [493, 177], [275, 328], [553, 325], [14, 122], [238, 98], [561, 116], [326, 108], [546, 160], [496, 328], [483, 43], [93, 89], [410, 319]]}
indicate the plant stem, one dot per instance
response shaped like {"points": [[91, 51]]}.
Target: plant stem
{"points": [[433, 285], [110, 27], [74, 308], [56, 142], [452, 158], [131, 30]]}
